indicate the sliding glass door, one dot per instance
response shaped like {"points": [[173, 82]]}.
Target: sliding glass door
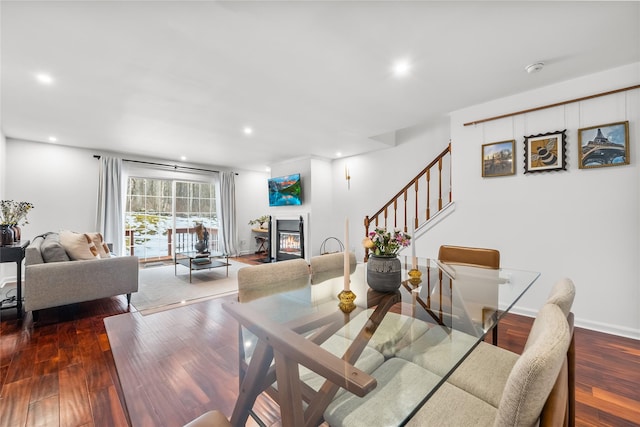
{"points": [[161, 215]]}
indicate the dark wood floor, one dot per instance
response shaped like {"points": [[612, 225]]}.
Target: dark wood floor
{"points": [[61, 372]]}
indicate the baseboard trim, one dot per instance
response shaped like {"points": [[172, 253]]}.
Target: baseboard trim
{"points": [[605, 328]]}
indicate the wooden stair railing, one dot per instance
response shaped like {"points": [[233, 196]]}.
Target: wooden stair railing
{"points": [[420, 202]]}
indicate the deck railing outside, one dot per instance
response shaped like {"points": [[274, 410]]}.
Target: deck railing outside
{"points": [[184, 240]]}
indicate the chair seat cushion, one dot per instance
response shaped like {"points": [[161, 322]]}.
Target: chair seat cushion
{"points": [[452, 407], [369, 360], [438, 350], [484, 372], [394, 333], [401, 387]]}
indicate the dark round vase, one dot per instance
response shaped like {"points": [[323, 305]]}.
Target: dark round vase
{"points": [[384, 273], [6, 235], [201, 246]]}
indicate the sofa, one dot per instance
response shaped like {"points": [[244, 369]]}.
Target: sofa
{"points": [[58, 272]]}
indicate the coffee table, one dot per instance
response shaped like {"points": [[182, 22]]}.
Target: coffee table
{"points": [[197, 261]]}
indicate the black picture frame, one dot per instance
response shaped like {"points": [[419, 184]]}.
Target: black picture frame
{"points": [[545, 152]]}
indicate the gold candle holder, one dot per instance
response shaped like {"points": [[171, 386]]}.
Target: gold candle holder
{"points": [[346, 298], [415, 276]]}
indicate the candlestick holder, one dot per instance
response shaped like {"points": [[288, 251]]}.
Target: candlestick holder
{"points": [[346, 298], [415, 276]]}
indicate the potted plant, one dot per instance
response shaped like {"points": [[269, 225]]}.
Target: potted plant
{"points": [[260, 221], [384, 267]]}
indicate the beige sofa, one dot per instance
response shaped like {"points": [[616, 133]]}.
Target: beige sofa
{"points": [[52, 279]]}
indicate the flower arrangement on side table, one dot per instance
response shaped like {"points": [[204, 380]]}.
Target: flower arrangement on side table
{"points": [[384, 243], [12, 215], [12, 212]]}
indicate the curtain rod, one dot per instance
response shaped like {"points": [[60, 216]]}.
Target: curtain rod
{"points": [[571, 101], [97, 156]]}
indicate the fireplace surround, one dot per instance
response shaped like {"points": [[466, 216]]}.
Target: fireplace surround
{"points": [[289, 239]]}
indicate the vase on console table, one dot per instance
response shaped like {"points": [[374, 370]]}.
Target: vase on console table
{"points": [[17, 233], [384, 273], [6, 235]]}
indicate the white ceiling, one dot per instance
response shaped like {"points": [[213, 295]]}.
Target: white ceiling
{"points": [[183, 78]]}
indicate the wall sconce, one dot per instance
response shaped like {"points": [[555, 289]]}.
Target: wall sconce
{"points": [[347, 176]]}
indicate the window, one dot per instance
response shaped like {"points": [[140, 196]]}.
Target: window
{"points": [[161, 214]]}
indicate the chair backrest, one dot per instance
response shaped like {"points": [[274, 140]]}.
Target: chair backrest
{"points": [[538, 368], [480, 257], [562, 294], [258, 280], [324, 267]]}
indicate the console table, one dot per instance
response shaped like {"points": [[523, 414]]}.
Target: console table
{"points": [[15, 253]]}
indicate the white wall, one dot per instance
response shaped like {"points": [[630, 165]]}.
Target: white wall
{"points": [[61, 182], [252, 201], [579, 223], [3, 162]]}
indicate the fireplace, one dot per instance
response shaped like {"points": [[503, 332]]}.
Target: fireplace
{"points": [[289, 239]]}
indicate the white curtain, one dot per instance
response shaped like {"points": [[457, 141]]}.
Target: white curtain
{"points": [[227, 210], [111, 194]]}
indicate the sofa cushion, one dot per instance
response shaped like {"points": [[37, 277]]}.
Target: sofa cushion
{"points": [[78, 245], [101, 246], [52, 250]]}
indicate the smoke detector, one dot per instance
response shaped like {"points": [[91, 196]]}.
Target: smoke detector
{"points": [[534, 68]]}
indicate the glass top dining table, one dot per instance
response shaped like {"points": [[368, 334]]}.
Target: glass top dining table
{"points": [[322, 361]]}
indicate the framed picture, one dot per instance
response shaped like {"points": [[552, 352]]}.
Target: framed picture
{"points": [[604, 145], [497, 158], [545, 152]]}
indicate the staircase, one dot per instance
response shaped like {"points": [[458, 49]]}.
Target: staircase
{"points": [[420, 201]]}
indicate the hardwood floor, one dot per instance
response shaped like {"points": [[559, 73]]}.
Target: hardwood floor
{"points": [[61, 372]]}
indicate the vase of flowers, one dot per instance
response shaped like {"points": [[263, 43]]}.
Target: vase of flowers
{"points": [[13, 215], [384, 267]]}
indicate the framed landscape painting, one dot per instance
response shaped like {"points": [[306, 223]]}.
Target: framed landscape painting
{"points": [[604, 145], [545, 152], [497, 158]]}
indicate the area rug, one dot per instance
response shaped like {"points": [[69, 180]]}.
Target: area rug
{"points": [[160, 288]]}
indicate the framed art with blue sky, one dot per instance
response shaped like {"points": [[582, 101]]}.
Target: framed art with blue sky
{"points": [[497, 158], [604, 145]]}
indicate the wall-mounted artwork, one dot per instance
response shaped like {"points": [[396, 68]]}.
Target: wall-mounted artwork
{"points": [[285, 190], [545, 152], [497, 158], [604, 145]]}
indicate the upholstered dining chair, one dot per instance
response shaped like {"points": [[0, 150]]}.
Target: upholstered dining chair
{"points": [[519, 393], [328, 266], [476, 257], [479, 257], [519, 399], [486, 371]]}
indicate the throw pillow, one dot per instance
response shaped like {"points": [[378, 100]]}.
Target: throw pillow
{"points": [[101, 246], [52, 250], [78, 245]]}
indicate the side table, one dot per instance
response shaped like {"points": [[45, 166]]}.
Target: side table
{"points": [[15, 253]]}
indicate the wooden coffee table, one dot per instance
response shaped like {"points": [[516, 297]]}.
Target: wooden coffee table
{"points": [[197, 261]]}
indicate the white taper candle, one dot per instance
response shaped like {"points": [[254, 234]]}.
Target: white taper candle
{"points": [[347, 278]]}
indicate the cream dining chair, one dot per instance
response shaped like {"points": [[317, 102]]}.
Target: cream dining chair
{"points": [[523, 395]]}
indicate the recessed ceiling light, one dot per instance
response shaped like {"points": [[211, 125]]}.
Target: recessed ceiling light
{"points": [[44, 78], [247, 130], [267, 169], [401, 68], [183, 158], [53, 139], [338, 154]]}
